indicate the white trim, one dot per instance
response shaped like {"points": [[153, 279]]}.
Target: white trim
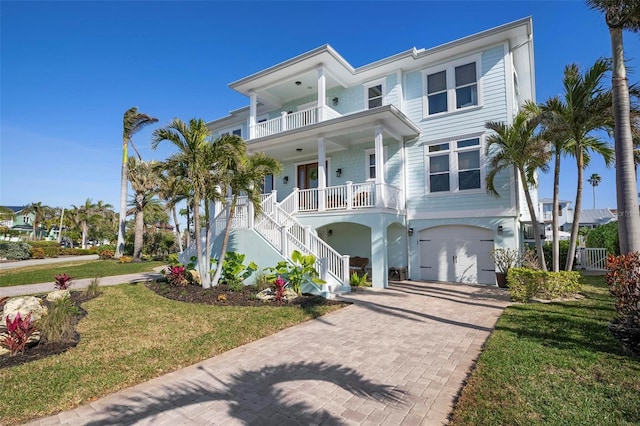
{"points": [[382, 82], [458, 214], [509, 70], [449, 69]]}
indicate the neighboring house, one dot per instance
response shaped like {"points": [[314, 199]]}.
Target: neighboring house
{"points": [[565, 216], [594, 218], [20, 222], [386, 161]]}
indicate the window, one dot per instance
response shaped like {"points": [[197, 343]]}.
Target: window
{"points": [[267, 184], [452, 87], [454, 166], [370, 162], [234, 131], [374, 94], [25, 219]]}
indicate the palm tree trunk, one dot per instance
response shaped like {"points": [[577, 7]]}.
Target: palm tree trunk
{"points": [[575, 226], [177, 229], [84, 234], [225, 240], [139, 235], [122, 220], [207, 242], [628, 215], [554, 222], [203, 263], [188, 227], [534, 220]]}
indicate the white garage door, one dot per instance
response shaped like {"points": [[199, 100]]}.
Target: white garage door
{"points": [[457, 254]]}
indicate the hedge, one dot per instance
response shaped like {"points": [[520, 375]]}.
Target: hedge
{"points": [[525, 283], [14, 250]]}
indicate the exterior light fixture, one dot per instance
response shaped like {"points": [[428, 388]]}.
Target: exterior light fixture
{"points": [[410, 231], [338, 172], [500, 229], [335, 101], [298, 83], [285, 180]]}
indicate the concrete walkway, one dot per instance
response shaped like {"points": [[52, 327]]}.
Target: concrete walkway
{"points": [[47, 260], [23, 290], [395, 357]]}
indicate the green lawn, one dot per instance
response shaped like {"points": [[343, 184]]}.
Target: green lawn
{"points": [[554, 364], [77, 269], [130, 336]]}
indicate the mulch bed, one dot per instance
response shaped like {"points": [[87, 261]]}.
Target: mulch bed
{"points": [[188, 294], [221, 295], [45, 349]]}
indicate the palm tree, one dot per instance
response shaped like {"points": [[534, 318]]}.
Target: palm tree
{"points": [[517, 146], [623, 15], [173, 189], [144, 182], [572, 120], [39, 214], [85, 214], [133, 121], [192, 141], [244, 174], [594, 180]]}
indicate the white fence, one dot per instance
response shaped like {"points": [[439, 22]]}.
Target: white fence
{"points": [[593, 259]]}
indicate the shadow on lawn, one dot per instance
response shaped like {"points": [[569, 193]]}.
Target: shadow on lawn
{"points": [[252, 397], [562, 328]]}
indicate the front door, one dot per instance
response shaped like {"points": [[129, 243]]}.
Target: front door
{"points": [[308, 176]]}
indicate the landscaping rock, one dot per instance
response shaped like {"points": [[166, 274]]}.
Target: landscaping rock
{"points": [[58, 294], [270, 294], [24, 305], [195, 276]]}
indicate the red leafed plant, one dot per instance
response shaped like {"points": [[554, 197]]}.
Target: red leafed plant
{"points": [[176, 275], [63, 281], [623, 279], [280, 283], [18, 333]]}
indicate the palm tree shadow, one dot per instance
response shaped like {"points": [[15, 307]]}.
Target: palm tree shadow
{"points": [[254, 396]]}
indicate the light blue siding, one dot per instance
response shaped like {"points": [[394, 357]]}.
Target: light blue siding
{"points": [[450, 127]]}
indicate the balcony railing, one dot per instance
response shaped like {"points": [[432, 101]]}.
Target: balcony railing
{"points": [[294, 120], [352, 196]]}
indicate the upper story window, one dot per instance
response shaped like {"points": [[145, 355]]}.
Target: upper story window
{"points": [[454, 166], [25, 219], [370, 162], [374, 94], [233, 131], [452, 87]]}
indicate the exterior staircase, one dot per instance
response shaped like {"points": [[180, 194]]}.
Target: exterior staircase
{"points": [[284, 233]]}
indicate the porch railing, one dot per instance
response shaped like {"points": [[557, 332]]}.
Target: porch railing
{"points": [[344, 197], [293, 120]]}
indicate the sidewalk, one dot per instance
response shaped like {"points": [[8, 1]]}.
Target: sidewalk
{"points": [[23, 290], [45, 261]]}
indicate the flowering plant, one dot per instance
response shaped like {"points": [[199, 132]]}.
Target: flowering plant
{"points": [[176, 275]]}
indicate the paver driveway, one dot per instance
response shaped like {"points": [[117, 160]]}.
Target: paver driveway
{"points": [[395, 357]]}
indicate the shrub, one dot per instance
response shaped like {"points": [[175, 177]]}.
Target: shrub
{"points": [[105, 254], [280, 284], [57, 324], [302, 270], [44, 244], [547, 248], [63, 281], [173, 259], [356, 280], [505, 259], [52, 251], [92, 289], [236, 286], [623, 279], [176, 275], [125, 259], [262, 281], [234, 271], [14, 250], [526, 283], [605, 236], [37, 253], [18, 333]]}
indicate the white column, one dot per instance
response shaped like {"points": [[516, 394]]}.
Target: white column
{"points": [[253, 106], [322, 174], [379, 151], [283, 123], [379, 268], [322, 93]]}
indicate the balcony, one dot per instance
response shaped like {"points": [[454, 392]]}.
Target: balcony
{"points": [[345, 198], [294, 120]]}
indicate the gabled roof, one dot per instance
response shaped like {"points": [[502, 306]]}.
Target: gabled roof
{"points": [[15, 209], [597, 216]]}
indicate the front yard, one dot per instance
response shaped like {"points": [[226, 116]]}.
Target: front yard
{"points": [[554, 364], [129, 336]]}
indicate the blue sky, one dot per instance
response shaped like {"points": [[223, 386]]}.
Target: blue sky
{"points": [[69, 70]]}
